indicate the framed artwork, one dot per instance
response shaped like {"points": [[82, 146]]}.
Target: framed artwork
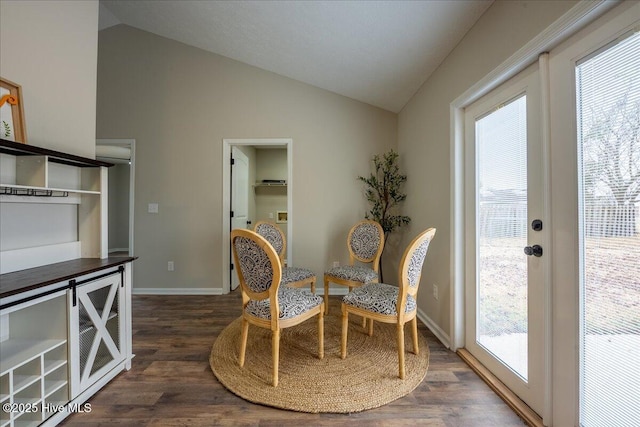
{"points": [[281, 217], [12, 126]]}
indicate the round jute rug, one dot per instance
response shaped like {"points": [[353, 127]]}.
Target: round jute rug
{"points": [[366, 379]]}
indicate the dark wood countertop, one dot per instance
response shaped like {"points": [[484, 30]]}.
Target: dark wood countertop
{"points": [[37, 277]]}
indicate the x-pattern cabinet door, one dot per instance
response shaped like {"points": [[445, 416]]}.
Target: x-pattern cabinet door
{"points": [[98, 329]]}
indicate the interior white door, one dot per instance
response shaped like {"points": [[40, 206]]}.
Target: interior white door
{"points": [[504, 207], [239, 199]]}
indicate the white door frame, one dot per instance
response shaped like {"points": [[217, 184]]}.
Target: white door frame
{"points": [[131, 144], [226, 197]]}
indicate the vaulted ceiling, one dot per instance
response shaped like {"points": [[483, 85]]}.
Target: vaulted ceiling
{"points": [[377, 52]]}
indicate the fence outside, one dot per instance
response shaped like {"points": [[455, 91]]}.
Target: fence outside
{"points": [[498, 220]]}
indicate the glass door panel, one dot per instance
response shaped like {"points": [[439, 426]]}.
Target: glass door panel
{"points": [[501, 144], [608, 117]]}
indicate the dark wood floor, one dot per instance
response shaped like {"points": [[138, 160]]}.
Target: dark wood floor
{"points": [[171, 383]]}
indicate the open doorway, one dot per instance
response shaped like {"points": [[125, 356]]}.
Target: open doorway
{"points": [[268, 187], [120, 152]]}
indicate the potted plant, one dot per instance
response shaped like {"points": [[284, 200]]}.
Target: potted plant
{"points": [[383, 189]]}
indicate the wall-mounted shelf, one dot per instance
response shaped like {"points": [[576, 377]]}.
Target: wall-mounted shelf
{"points": [[271, 183], [18, 149], [69, 187], [31, 171], [23, 190]]}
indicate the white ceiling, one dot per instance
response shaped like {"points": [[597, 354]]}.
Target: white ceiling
{"points": [[377, 52]]}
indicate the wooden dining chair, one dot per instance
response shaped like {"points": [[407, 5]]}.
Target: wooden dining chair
{"points": [[391, 304], [291, 276], [365, 242], [265, 303]]}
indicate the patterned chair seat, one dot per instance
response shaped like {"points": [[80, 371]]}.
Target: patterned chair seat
{"points": [[295, 274], [293, 302], [354, 273], [377, 298]]}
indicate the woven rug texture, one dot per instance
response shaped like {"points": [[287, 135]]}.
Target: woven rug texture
{"points": [[366, 379]]}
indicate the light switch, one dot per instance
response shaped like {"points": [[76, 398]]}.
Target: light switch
{"points": [[153, 208]]}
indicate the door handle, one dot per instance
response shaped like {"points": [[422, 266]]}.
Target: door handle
{"points": [[535, 250]]}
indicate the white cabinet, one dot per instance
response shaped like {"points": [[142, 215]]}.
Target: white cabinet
{"points": [[97, 329], [65, 322], [34, 369], [65, 331]]}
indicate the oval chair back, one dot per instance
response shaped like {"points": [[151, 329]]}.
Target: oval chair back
{"points": [[274, 235], [366, 242], [259, 268], [411, 267]]}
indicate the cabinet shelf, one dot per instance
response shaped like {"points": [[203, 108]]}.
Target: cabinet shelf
{"points": [[21, 382], [51, 387], [16, 352], [52, 365]]}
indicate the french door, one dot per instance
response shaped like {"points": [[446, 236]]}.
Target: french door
{"points": [[595, 128], [505, 239]]}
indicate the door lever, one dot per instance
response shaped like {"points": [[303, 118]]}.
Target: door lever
{"points": [[535, 250]]}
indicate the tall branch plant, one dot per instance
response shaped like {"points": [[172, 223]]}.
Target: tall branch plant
{"points": [[383, 189]]}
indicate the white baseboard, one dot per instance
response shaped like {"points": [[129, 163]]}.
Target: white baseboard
{"points": [[437, 331], [176, 291]]}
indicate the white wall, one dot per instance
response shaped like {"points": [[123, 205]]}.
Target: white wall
{"points": [[180, 104], [50, 49], [423, 131]]}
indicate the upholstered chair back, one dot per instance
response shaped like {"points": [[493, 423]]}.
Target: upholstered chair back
{"points": [[270, 231], [413, 259], [366, 241], [258, 263]]}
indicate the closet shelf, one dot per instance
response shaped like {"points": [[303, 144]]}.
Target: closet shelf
{"points": [[271, 183]]}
